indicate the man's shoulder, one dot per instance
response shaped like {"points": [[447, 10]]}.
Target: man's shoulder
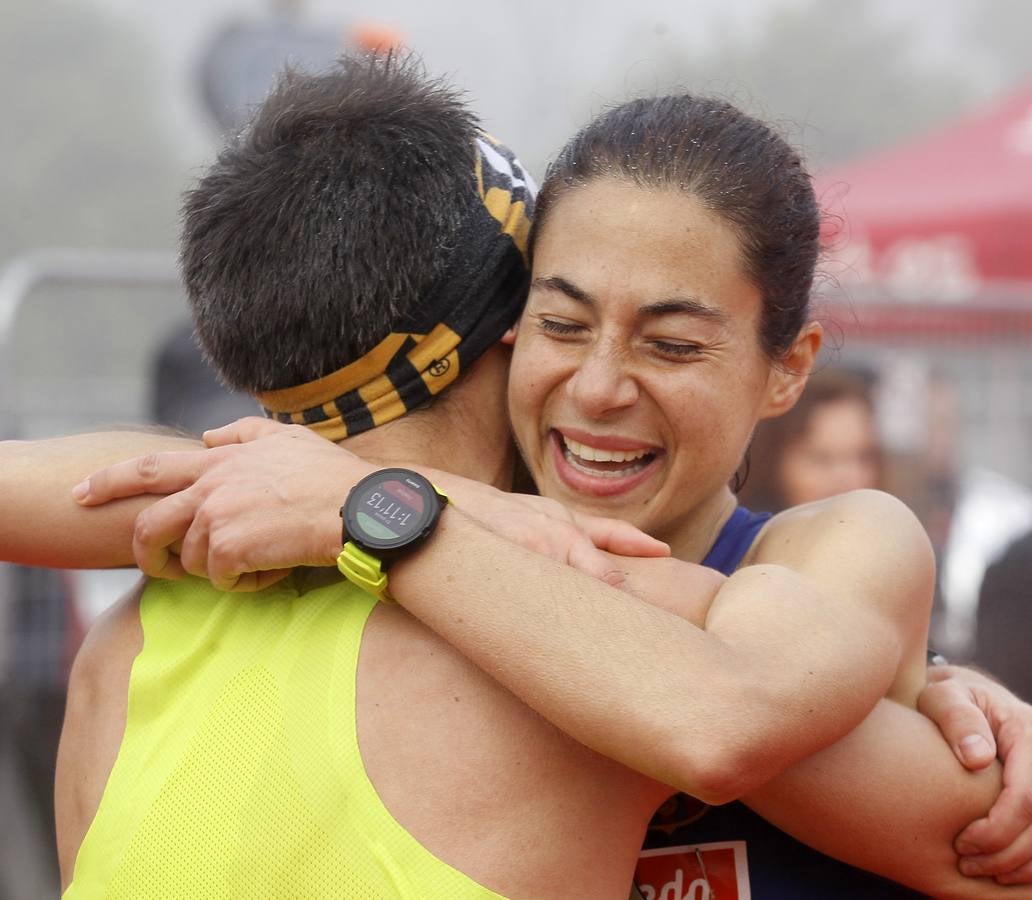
{"points": [[301, 581], [176, 611], [114, 634]]}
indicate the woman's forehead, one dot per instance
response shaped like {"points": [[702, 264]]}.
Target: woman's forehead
{"points": [[612, 238], [609, 214]]}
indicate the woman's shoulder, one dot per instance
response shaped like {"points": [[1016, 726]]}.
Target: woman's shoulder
{"points": [[853, 507], [864, 551], [855, 525]]}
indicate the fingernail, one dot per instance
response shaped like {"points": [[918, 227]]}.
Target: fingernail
{"points": [[965, 848], [969, 868], [974, 745], [81, 490]]}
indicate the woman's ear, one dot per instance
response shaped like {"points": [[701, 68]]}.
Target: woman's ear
{"points": [[789, 374], [509, 338]]}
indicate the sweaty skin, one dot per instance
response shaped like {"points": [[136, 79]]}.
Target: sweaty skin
{"points": [[443, 744], [422, 712], [926, 854]]}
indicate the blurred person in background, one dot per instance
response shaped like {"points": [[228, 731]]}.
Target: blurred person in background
{"points": [[972, 512], [991, 511], [827, 444], [243, 59], [1003, 643]]}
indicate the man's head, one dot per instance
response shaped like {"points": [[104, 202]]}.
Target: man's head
{"points": [[355, 215]]}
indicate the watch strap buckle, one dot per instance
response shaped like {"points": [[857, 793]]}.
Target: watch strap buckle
{"points": [[364, 570]]}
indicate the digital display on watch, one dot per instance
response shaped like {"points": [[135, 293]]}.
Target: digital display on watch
{"points": [[390, 508]]}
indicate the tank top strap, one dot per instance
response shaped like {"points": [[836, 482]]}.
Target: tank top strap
{"points": [[734, 540]]}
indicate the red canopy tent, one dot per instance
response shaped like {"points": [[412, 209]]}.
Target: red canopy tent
{"points": [[941, 225], [931, 243]]}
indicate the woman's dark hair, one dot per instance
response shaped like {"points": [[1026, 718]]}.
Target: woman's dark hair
{"points": [[735, 165]]}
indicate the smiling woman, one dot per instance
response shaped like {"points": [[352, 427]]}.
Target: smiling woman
{"points": [[640, 336], [674, 248]]}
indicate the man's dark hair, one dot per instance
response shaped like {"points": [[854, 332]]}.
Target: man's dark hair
{"points": [[322, 227]]}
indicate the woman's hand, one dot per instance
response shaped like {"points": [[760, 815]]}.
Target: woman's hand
{"points": [[980, 718]]}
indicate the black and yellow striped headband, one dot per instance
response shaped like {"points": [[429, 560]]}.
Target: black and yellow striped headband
{"points": [[468, 310]]}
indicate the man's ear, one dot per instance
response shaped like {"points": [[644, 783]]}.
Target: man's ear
{"points": [[789, 374], [509, 338]]}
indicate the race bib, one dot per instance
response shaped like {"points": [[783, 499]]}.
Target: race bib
{"points": [[717, 871]]}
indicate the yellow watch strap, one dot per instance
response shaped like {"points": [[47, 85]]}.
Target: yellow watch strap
{"points": [[364, 570]]}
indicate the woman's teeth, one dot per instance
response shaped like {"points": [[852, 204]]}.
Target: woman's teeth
{"points": [[614, 462]]}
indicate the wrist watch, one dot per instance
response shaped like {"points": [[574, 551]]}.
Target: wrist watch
{"points": [[387, 515]]}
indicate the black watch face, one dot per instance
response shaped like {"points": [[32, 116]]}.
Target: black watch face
{"points": [[390, 508]]}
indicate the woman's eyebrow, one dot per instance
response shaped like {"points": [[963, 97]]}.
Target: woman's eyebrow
{"points": [[560, 284], [671, 306], [684, 305]]}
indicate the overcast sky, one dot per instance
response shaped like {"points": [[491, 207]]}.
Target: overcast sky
{"points": [[531, 66]]}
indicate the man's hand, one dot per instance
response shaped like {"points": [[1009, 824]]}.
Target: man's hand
{"points": [[241, 514], [265, 497], [980, 718]]}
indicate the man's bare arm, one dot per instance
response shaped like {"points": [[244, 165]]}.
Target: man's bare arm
{"points": [[94, 723], [775, 648]]}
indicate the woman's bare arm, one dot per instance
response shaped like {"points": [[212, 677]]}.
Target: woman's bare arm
{"points": [[889, 797], [42, 525]]}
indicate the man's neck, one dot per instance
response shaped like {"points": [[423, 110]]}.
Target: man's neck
{"points": [[465, 431], [428, 441]]}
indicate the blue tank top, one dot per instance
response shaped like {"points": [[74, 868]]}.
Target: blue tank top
{"points": [[729, 849]]}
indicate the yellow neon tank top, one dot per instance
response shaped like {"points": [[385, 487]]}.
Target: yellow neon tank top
{"points": [[239, 775]]}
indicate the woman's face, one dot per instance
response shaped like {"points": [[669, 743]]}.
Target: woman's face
{"points": [[637, 375], [836, 452]]}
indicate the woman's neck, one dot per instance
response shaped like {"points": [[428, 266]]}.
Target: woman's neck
{"points": [[692, 537]]}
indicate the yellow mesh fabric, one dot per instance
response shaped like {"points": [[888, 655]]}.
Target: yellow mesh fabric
{"points": [[239, 774]]}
